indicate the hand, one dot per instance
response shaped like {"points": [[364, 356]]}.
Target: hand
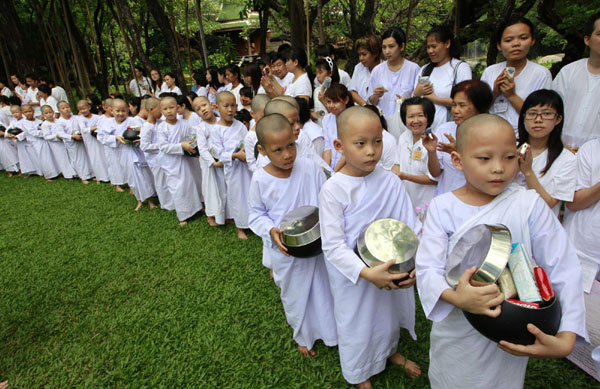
{"points": [[423, 89], [11, 136], [137, 141], [448, 147], [381, 276], [218, 164], [120, 139], [401, 175], [525, 163], [497, 83], [410, 281], [93, 129], [429, 143], [545, 346], [507, 86], [478, 299], [276, 237], [76, 136], [187, 146]]}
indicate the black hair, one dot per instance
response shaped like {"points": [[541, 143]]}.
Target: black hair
{"points": [[45, 88], [136, 102], [588, 29], [14, 100], [397, 33], [542, 97], [271, 57], [295, 54], [47, 80], [96, 104], [246, 92], [324, 64], [155, 85], [283, 47], [172, 75], [381, 117], [183, 100], [323, 50], [339, 92], [478, 92], [214, 75], [33, 76], [442, 33], [304, 109], [200, 78], [428, 108], [141, 69], [4, 99], [512, 21], [234, 69], [243, 116], [221, 70], [253, 71]]}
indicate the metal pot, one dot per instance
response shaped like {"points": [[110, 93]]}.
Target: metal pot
{"points": [[301, 232], [386, 239], [131, 135], [14, 131]]}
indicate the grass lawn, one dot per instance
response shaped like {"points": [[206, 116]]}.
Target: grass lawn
{"points": [[96, 295]]}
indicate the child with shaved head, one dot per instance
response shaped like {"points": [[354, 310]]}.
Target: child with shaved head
{"points": [[370, 308], [460, 356], [95, 149], [283, 185], [28, 158], [259, 102], [107, 134]]}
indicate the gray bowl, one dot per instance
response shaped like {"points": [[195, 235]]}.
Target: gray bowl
{"points": [[301, 232]]}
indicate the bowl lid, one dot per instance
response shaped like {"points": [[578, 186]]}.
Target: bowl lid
{"points": [[300, 220], [386, 239]]}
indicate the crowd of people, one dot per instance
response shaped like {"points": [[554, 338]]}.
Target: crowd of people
{"points": [[429, 146]]}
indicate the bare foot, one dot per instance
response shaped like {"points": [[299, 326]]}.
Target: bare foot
{"points": [[306, 352], [48, 179], [85, 182], [97, 182], [183, 223], [119, 189], [242, 234], [364, 385], [211, 221], [9, 174], [271, 272], [152, 204], [139, 205], [412, 369], [4, 385], [131, 192]]}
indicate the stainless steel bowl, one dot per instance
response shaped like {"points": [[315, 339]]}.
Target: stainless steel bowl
{"points": [[386, 239], [486, 246], [301, 232]]}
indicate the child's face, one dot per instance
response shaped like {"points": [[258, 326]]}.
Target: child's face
{"points": [[462, 108], [593, 41], [227, 108], [31, 82], [181, 109], [16, 113], [489, 159], [48, 114], [204, 109], [516, 42], [536, 125], [169, 109], [246, 101], [293, 118], [258, 114], [108, 110], [121, 111], [336, 107], [27, 112], [83, 109], [361, 145], [65, 110], [416, 121], [248, 79], [322, 73], [2, 86], [391, 50], [290, 65], [221, 78], [280, 147]]}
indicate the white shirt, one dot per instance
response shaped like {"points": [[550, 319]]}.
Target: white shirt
{"points": [[580, 91], [163, 88], [31, 97], [330, 134], [400, 82], [388, 155], [360, 80], [51, 101], [6, 92], [451, 178], [531, 78], [236, 93], [137, 87], [59, 94], [286, 80], [175, 90], [442, 79], [300, 87]]}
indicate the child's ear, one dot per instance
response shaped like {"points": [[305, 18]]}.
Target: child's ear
{"points": [[261, 150], [456, 160], [252, 114], [337, 144]]}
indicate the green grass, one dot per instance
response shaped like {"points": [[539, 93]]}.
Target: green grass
{"points": [[96, 295]]}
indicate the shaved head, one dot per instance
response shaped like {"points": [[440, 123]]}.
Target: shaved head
{"points": [[223, 95], [108, 102], [278, 106], [356, 114], [288, 99], [478, 123], [83, 102], [117, 102], [272, 123], [259, 102], [61, 103], [152, 102]]}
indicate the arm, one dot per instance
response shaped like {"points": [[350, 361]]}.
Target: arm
{"points": [[532, 180], [585, 198], [164, 145], [357, 99], [146, 144], [433, 163]]}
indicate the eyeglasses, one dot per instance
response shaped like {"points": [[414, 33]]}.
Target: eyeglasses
{"points": [[545, 115]]}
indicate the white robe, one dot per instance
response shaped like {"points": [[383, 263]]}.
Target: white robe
{"points": [[213, 179], [451, 178], [149, 145], [531, 78], [107, 133], [559, 181], [224, 141], [250, 141], [305, 292], [531, 223], [140, 177], [316, 135], [59, 151], [48, 165], [75, 149], [183, 172], [399, 83], [368, 319], [94, 148], [580, 91], [583, 226], [8, 154], [407, 157], [28, 158]]}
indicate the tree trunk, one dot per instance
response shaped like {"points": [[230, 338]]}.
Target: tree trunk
{"points": [[81, 48], [320, 20], [297, 24], [264, 14], [126, 18], [74, 51], [165, 27], [198, 8], [22, 56], [102, 86]]}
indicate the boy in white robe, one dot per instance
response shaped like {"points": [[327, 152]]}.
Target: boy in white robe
{"points": [[227, 137], [151, 148], [183, 173], [28, 157], [259, 102], [140, 177], [95, 149], [112, 148], [68, 131], [48, 163], [285, 184], [461, 356], [59, 151], [368, 318], [213, 178], [10, 158]]}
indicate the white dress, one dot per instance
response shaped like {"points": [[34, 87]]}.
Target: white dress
{"points": [[59, 94], [360, 81], [412, 159], [400, 83], [460, 356], [113, 151], [531, 78], [304, 285], [368, 319], [48, 165], [250, 141], [8, 154], [149, 145], [442, 78], [59, 151], [80, 161], [183, 173], [300, 87], [559, 181], [139, 176], [224, 141], [213, 179], [580, 91], [28, 158], [451, 178], [94, 148]]}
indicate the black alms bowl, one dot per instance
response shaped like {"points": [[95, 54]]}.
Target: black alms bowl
{"points": [[131, 135], [14, 131], [197, 154], [511, 325]]}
